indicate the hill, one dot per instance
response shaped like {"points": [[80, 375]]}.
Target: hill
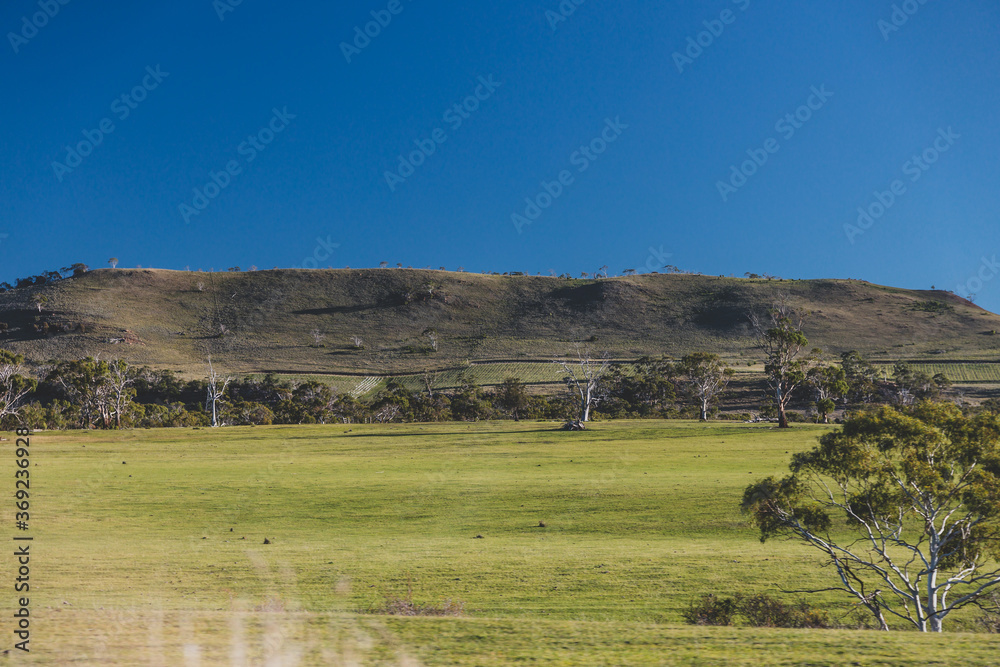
{"points": [[303, 321]]}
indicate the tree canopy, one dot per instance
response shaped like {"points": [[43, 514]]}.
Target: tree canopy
{"points": [[903, 503]]}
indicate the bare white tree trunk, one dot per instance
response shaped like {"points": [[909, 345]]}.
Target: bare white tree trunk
{"points": [[215, 392], [584, 377], [121, 379], [13, 387]]}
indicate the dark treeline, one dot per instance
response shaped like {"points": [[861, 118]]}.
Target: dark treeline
{"points": [[46, 277], [91, 393]]}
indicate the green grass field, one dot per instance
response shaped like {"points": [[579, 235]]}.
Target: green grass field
{"points": [[149, 548]]}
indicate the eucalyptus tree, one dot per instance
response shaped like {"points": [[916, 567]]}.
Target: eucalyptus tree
{"points": [[904, 505]]}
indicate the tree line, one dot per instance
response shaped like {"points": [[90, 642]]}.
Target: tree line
{"points": [[112, 394]]}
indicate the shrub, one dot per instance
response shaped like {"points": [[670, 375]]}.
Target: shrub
{"points": [[759, 611], [764, 611], [405, 606], [710, 610]]}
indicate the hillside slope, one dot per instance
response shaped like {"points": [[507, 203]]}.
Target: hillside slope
{"points": [[264, 321]]}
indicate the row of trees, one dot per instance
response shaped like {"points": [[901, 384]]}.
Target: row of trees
{"points": [[789, 368], [46, 277], [111, 394]]}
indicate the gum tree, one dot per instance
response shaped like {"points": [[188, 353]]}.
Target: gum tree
{"points": [[917, 490], [583, 379], [15, 385], [705, 377], [786, 366], [216, 391]]}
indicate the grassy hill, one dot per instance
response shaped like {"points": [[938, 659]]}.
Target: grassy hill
{"points": [[263, 321]]}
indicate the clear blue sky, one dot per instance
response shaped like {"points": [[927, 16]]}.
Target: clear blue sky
{"points": [[552, 86]]}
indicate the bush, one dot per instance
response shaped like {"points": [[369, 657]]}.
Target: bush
{"points": [[759, 611], [710, 610], [764, 611], [405, 606]]}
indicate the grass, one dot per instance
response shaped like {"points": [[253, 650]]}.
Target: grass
{"points": [[987, 372], [150, 541]]}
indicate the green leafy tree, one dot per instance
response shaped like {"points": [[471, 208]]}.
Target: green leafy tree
{"points": [[824, 407], [470, 402], [246, 413], [904, 506], [40, 300], [912, 385], [393, 403], [862, 377], [647, 389], [829, 385], [512, 398], [786, 364]]}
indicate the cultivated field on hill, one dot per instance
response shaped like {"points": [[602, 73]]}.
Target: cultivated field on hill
{"points": [[561, 548]]}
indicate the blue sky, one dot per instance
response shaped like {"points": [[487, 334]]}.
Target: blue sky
{"points": [[596, 135]]}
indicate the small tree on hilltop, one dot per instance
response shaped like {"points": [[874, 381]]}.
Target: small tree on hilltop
{"points": [[920, 490], [113, 262]]}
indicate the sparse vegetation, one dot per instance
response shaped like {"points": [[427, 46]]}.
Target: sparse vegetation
{"points": [[758, 611]]}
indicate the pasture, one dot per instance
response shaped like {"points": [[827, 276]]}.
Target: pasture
{"points": [[563, 548]]}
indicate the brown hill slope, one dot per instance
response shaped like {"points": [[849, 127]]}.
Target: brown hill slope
{"points": [[265, 320]]}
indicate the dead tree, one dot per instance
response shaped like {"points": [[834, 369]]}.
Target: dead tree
{"points": [[215, 391], [583, 379]]}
